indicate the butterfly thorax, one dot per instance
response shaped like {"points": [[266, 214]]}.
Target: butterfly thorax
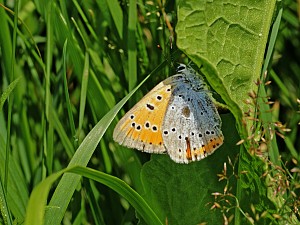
{"points": [[188, 76]]}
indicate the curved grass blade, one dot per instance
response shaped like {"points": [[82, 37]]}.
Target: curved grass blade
{"points": [[67, 185], [37, 202]]}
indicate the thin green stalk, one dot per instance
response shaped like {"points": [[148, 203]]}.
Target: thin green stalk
{"points": [[11, 99], [132, 60], [84, 86], [67, 97], [49, 132], [266, 116]]}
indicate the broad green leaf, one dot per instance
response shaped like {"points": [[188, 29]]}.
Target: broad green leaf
{"points": [[182, 194], [228, 38]]}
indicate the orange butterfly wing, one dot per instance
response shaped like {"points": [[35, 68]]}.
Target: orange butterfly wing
{"points": [[141, 127]]}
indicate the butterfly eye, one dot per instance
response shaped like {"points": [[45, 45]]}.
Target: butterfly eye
{"points": [[181, 68]]}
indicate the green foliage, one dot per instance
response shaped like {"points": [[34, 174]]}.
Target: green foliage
{"points": [[36, 204], [229, 41], [66, 65], [182, 194]]}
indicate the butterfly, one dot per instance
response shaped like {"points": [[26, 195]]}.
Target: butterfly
{"points": [[177, 117]]}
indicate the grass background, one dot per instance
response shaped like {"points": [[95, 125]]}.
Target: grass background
{"points": [[65, 66]]}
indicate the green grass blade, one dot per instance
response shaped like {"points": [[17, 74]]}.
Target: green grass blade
{"points": [[117, 15], [124, 190], [85, 19], [37, 201], [5, 212], [5, 42], [291, 148], [69, 182], [65, 139], [84, 86], [91, 194], [285, 91], [132, 60], [265, 114], [8, 91], [17, 193], [10, 99], [49, 131], [66, 92]]}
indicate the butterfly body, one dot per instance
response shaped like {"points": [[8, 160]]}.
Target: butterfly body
{"points": [[176, 117]]}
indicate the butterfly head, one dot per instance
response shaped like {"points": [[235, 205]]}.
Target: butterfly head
{"points": [[181, 68], [186, 70]]}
